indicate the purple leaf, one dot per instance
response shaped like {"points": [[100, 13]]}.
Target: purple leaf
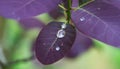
{"points": [[116, 3], [81, 44], [31, 23], [26, 8], [75, 3], [54, 41], [65, 3], [99, 20], [56, 13]]}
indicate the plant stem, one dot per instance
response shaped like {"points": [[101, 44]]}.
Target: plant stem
{"points": [[22, 60], [68, 11], [81, 4], [17, 61]]}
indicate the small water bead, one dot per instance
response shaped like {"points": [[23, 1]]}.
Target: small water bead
{"points": [[44, 43], [57, 48], [98, 8], [82, 18], [60, 33], [63, 26]]}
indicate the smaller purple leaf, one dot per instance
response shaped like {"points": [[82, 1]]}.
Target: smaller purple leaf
{"points": [[31, 23], [56, 13], [81, 44], [65, 3], [99, 20], [54, 41]]}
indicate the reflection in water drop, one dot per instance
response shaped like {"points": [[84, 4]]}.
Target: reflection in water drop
{"points": [[63, 26], [44, 43], [60, 33], [98, 8], [82, 19], [57, 48]]}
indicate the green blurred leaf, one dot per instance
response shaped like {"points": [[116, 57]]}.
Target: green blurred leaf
{"points": [[23, 50], [45, 18], [2, 56], [111, 52], [12, 33], [1, 27]]}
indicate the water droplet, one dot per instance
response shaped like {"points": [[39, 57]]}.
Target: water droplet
{"points": [[57, 48], [63, 26], [62, 44], [98, 8], [44, 43], [61, 33], [82, 19]]}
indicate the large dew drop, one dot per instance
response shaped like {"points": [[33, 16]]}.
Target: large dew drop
{"points": [[82, 19], [57, 48], [98, 8], [60, 33]]}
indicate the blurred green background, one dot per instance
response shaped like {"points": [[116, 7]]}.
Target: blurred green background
{"points": [[16, 44]]}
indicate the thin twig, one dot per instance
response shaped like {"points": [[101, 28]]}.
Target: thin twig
{"points": [[21, 60], [15, 62]]}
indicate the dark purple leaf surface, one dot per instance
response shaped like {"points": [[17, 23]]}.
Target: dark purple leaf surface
{"points": [[26, 8], [75, 3], [116, 3], [81, 44], [65, 3], [56, 13], [99, 20], [31, 23], [50, 48]]}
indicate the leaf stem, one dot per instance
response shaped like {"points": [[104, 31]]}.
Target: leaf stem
{"points": [[82, 4], [22, 60], [17, 61], [68, 11]]}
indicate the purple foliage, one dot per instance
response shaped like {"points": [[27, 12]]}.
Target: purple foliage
{"points": [[75, 3], [31, 23], [81, 44], [99, 20], [115, 3], [56, 13], [18, 9], [54, 42]]}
